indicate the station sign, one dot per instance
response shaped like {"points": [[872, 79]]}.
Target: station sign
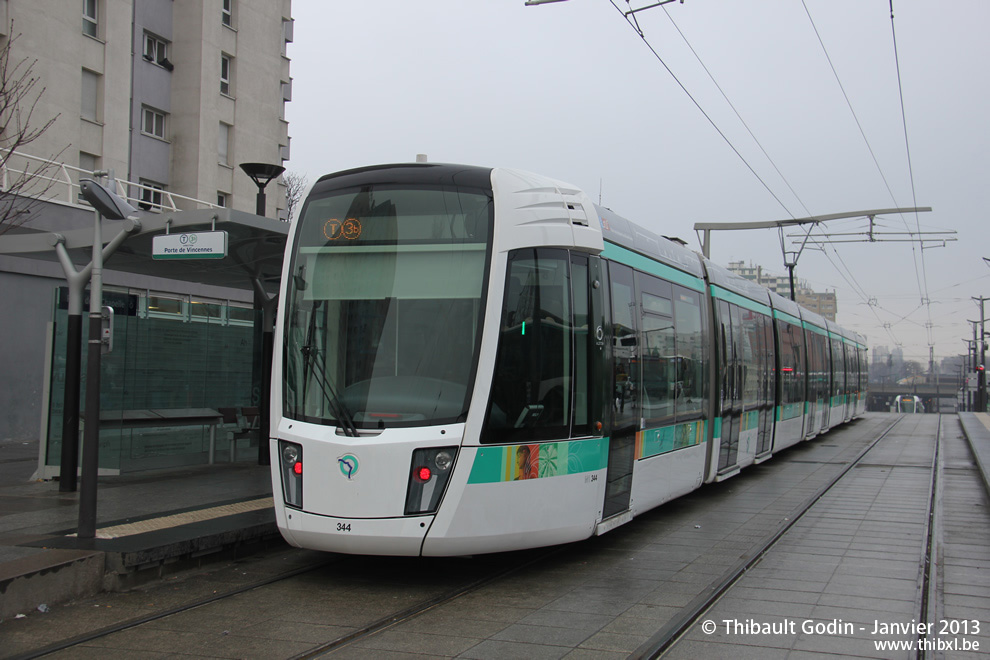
{"points": [[190, 245]]}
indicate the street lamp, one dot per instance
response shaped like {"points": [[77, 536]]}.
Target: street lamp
{"points": [[108, 205], [261, 174]]}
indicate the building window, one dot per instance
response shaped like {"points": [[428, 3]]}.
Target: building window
{"points": [[226, 65], [222, 200], [90, 95], [153, 123], [152, 195], [161, 306], [89, 18], [287, 30], [156, 50], [223, 144], [227, 13], [88, 163]]}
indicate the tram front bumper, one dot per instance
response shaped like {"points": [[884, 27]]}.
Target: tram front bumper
{"points": [[360, 536]]}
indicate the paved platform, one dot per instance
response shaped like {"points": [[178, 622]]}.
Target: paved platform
{"points": [[852, 561], [148, 524], [976, 426]]}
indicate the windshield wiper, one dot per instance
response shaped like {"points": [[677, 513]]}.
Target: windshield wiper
{"points": [[310, 354], [334, 402]]}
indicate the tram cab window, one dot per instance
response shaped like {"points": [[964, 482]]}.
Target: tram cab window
{"points": [[582, 347], [625, 408], [532, 386]]}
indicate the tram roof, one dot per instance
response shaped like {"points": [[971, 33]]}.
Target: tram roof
{"points": [[728, 280], [408, 173], [620, 231]]}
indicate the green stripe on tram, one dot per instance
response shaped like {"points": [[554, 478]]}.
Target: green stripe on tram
{"points": [[732, 297], [553, 459], [651, 266], [656, 441]]}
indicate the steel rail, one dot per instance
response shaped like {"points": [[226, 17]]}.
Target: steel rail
{"points": [[667, 636]]}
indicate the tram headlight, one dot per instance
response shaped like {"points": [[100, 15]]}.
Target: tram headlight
{"points": [[292, 473], [429, 473], [443, 460]]}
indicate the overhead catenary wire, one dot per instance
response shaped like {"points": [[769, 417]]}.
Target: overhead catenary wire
{"points": [[635, 27], [736, 112], [844, 271], [925, 299], [920, 273]]}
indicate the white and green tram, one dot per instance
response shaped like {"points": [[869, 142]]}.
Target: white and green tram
{"points": [[474, 360]]}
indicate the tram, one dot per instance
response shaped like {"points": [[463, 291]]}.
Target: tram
{"points": [[474, 360], [906, 403]]}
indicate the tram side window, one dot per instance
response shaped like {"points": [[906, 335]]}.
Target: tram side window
{"points": [[863, 372], [658, 354], [751, 361], [838, 370], [817, 378], [531, 389], [791, 376], [659, 362], [692, 346]]}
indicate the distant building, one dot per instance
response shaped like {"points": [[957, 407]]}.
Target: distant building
{"points": [[821, 303]]}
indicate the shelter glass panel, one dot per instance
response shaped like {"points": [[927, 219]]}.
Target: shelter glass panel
{"points": [[186, 363]]}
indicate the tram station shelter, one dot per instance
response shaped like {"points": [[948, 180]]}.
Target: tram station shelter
{"points": [[183, 382]]}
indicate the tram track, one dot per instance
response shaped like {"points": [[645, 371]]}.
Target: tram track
{"points": [[928, 607], [497, 568], [668, 636], [128, 624], [373, 627]]}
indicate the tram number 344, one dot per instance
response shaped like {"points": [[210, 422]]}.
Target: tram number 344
{"points": [[343, 527]]}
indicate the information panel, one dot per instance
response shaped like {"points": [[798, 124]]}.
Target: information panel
{"points": [[190, 245]]}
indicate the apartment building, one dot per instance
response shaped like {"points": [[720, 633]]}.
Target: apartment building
{"points": [[824, 304], [170, 94]]}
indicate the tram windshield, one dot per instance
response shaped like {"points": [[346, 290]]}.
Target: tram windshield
{"points": [[385, 305]]}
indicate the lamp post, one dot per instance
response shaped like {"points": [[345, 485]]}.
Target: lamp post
{"points": [[108, 205], [261, 174]]}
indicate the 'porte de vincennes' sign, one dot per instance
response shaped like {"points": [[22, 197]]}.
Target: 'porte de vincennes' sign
{"points": [[198, 245]]}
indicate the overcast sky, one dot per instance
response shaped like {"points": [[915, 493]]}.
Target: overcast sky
{"points": [[571, 91]]}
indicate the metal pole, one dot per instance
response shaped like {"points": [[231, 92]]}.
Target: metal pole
{"points": [[261, 202], [981, 376], [269, 307], [69, 464], [91, 435], [790, 273]]}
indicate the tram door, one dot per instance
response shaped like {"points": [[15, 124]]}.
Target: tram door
{"points": [[625, 390], [730, 328]]}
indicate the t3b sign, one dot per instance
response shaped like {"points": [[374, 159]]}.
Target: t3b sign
{"points": [[198, 245]]}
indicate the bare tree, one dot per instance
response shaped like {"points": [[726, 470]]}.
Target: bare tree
{"points": [[295, 186], [23, 182]]}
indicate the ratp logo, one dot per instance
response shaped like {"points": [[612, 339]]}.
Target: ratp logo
{"points": [[349, 465]]}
